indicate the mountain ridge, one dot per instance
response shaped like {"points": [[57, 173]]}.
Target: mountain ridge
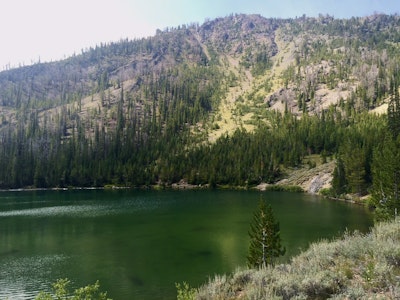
{"points": [[200, 84], [212, 34]]}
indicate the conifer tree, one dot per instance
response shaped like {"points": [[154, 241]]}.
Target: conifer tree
{"points": [[386, 179], [354, 160], [265, 240], [393, 113], [339, 178], [386, 165]]}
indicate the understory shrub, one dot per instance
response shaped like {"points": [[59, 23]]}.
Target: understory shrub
{"points": [[355, 266]]}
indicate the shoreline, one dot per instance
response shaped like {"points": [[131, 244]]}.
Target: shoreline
{"points": [[182, 185]]}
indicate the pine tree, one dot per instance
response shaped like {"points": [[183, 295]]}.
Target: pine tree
{"points": [[393, 113], [386, 165], [265, 241], [339, 178], [354, 160], [386, 179]]}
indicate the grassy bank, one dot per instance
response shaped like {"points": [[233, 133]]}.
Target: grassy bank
{"points": [[357, 266]]}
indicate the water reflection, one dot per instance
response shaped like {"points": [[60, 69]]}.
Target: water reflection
{"points": [[92, 210], [138, 243], [22, 277]]}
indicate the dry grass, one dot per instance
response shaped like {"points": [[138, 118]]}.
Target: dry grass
{"points": [[228, 122], [356, 266]]}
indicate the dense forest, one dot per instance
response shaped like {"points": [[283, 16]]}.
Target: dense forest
{"points": [[142, 112]]}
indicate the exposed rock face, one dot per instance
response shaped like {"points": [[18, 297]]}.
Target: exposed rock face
{"points": [[314, 179], [311, 180], [319, 182]]}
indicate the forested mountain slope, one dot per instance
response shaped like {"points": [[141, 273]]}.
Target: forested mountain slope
{"points": [[236, 100]]}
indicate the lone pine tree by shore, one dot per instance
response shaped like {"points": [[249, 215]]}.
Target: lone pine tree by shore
{"points": [[265, 240]]}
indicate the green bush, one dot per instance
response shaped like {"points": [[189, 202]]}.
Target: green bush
{"points": [[61, 291], [326, 192], [185, 292], [284, 188]]}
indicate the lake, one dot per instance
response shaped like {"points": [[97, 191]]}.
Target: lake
{"points": [[138, 244]]}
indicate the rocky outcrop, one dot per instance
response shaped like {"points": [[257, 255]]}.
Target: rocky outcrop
{"points": [[319, 182], [311, 180]]}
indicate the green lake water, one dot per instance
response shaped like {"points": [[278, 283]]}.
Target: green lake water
{"points": [[138, 244]]}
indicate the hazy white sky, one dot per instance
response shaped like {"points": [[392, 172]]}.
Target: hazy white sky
{"points": [[53, 29]]}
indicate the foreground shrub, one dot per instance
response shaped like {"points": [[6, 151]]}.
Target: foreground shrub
{"points": [[356, 266], [184, 291], [61, 291]]}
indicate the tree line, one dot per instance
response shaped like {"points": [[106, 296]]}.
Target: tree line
{"points": [[165, 152]]}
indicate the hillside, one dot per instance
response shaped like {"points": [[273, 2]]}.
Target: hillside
{"points": [[355, 267], [199, 102]]}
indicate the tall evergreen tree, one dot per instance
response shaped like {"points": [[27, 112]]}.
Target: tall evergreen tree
{"points": [[386, 179], [354, 159], [394, 112], [386, 164], [265, 240], [339, 178]]}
